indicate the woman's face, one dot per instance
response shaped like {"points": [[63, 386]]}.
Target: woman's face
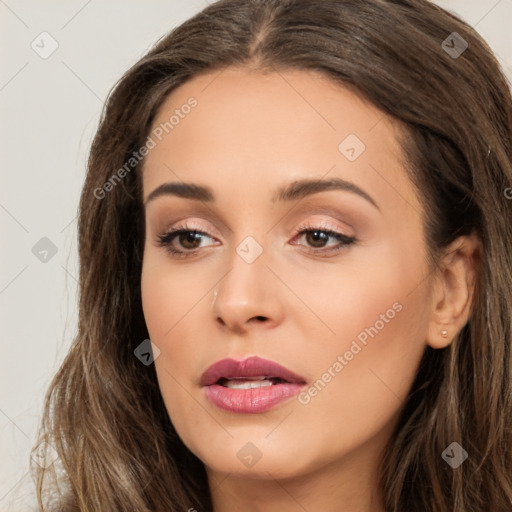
{"points": [[343, 306]]}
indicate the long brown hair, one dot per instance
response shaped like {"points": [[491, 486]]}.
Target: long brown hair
{"points": [[104, 414]]}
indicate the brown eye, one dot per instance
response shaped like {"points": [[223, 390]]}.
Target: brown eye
{"points": [[190, 239], [180, 241], [317, 238]]}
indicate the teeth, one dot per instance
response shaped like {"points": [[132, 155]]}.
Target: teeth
{"points": [[259, 382]]}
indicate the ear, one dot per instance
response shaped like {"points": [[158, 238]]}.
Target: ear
{"points": [[453, 290]]}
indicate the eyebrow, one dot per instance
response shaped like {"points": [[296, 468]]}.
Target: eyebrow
{"points": [[291, 192]]}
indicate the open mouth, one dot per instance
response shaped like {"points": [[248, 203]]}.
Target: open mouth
{"points": [[250, 373], [249, 386], [250, 383]]}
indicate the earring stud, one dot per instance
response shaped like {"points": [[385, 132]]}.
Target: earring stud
{"points": [[444, 333]]}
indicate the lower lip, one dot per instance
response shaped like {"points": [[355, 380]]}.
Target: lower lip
{"points": [[251, 401]]}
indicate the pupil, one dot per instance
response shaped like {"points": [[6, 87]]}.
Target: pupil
{"points": [[318, 238], [189, 238]]}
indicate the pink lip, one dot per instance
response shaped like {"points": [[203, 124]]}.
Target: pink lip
{"points": [[255, 400]]}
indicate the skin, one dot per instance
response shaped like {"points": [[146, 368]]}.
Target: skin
{"points": [[250, 134]]}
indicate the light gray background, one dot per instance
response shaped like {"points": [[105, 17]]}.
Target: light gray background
{"points": [[49, 109]]}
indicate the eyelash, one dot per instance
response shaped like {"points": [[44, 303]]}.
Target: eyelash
{"points": [[165, 239]]}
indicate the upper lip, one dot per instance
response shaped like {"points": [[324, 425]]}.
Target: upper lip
{"points": [[250, 367]]}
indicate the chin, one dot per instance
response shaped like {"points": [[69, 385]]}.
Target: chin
{"points": [[258, 459]]}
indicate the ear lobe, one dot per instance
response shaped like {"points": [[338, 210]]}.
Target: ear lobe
{"points": [[453, 290]]}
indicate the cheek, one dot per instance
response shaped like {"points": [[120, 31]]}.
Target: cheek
{"points": [[169, 294], [172, 302], [376, 296], [363, 373]]}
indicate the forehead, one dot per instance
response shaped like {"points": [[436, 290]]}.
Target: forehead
{"points": [[250, 129]]}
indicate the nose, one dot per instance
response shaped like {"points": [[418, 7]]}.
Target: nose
{"points": [[247, 296]]}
